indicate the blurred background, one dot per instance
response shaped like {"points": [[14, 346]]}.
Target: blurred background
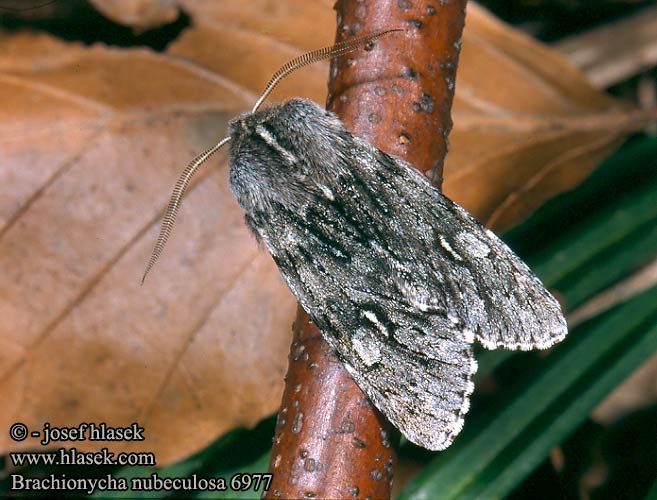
{"points": [[103, 102]]}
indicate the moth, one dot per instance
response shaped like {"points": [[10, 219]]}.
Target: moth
{"points": [[400, 280]]}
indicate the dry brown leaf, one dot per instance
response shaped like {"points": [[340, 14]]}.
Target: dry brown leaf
{"points": [[527, 125], [92, 140], [261, 39], [139, 14]]}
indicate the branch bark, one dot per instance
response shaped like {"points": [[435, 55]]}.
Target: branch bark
{"points": [[330, 441]]}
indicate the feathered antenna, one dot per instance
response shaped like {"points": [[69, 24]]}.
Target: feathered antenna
{"points": [[317, 55], [174, 203], [185, 178]]}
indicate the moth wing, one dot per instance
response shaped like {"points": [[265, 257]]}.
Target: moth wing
{"points": [[414, 363], [415, 367], [508, 306], [420, 380], [400, 281], [449, 262]]}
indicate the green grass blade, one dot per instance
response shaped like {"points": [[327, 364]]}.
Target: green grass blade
{"points": [[457, 469], [652, 494], [611, 266], [565, 415], [608, 230]]}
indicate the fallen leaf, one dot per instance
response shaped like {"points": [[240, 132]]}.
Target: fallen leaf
{"points": [[527, 125], [138, 14], [93, 139]]}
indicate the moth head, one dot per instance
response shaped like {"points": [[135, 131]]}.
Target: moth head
{"points": [[243, 127], [282, 155], [289, 134]]}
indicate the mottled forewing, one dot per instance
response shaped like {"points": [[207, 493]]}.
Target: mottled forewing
{"points": [[399, 279], [415, 365], [446, 262]]}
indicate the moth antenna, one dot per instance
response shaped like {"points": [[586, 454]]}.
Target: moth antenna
{"points": [[174, 203], [317, 55], [188, 173]]}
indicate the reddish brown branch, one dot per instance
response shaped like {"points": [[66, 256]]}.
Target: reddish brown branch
{"points": [[330, 441]]}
